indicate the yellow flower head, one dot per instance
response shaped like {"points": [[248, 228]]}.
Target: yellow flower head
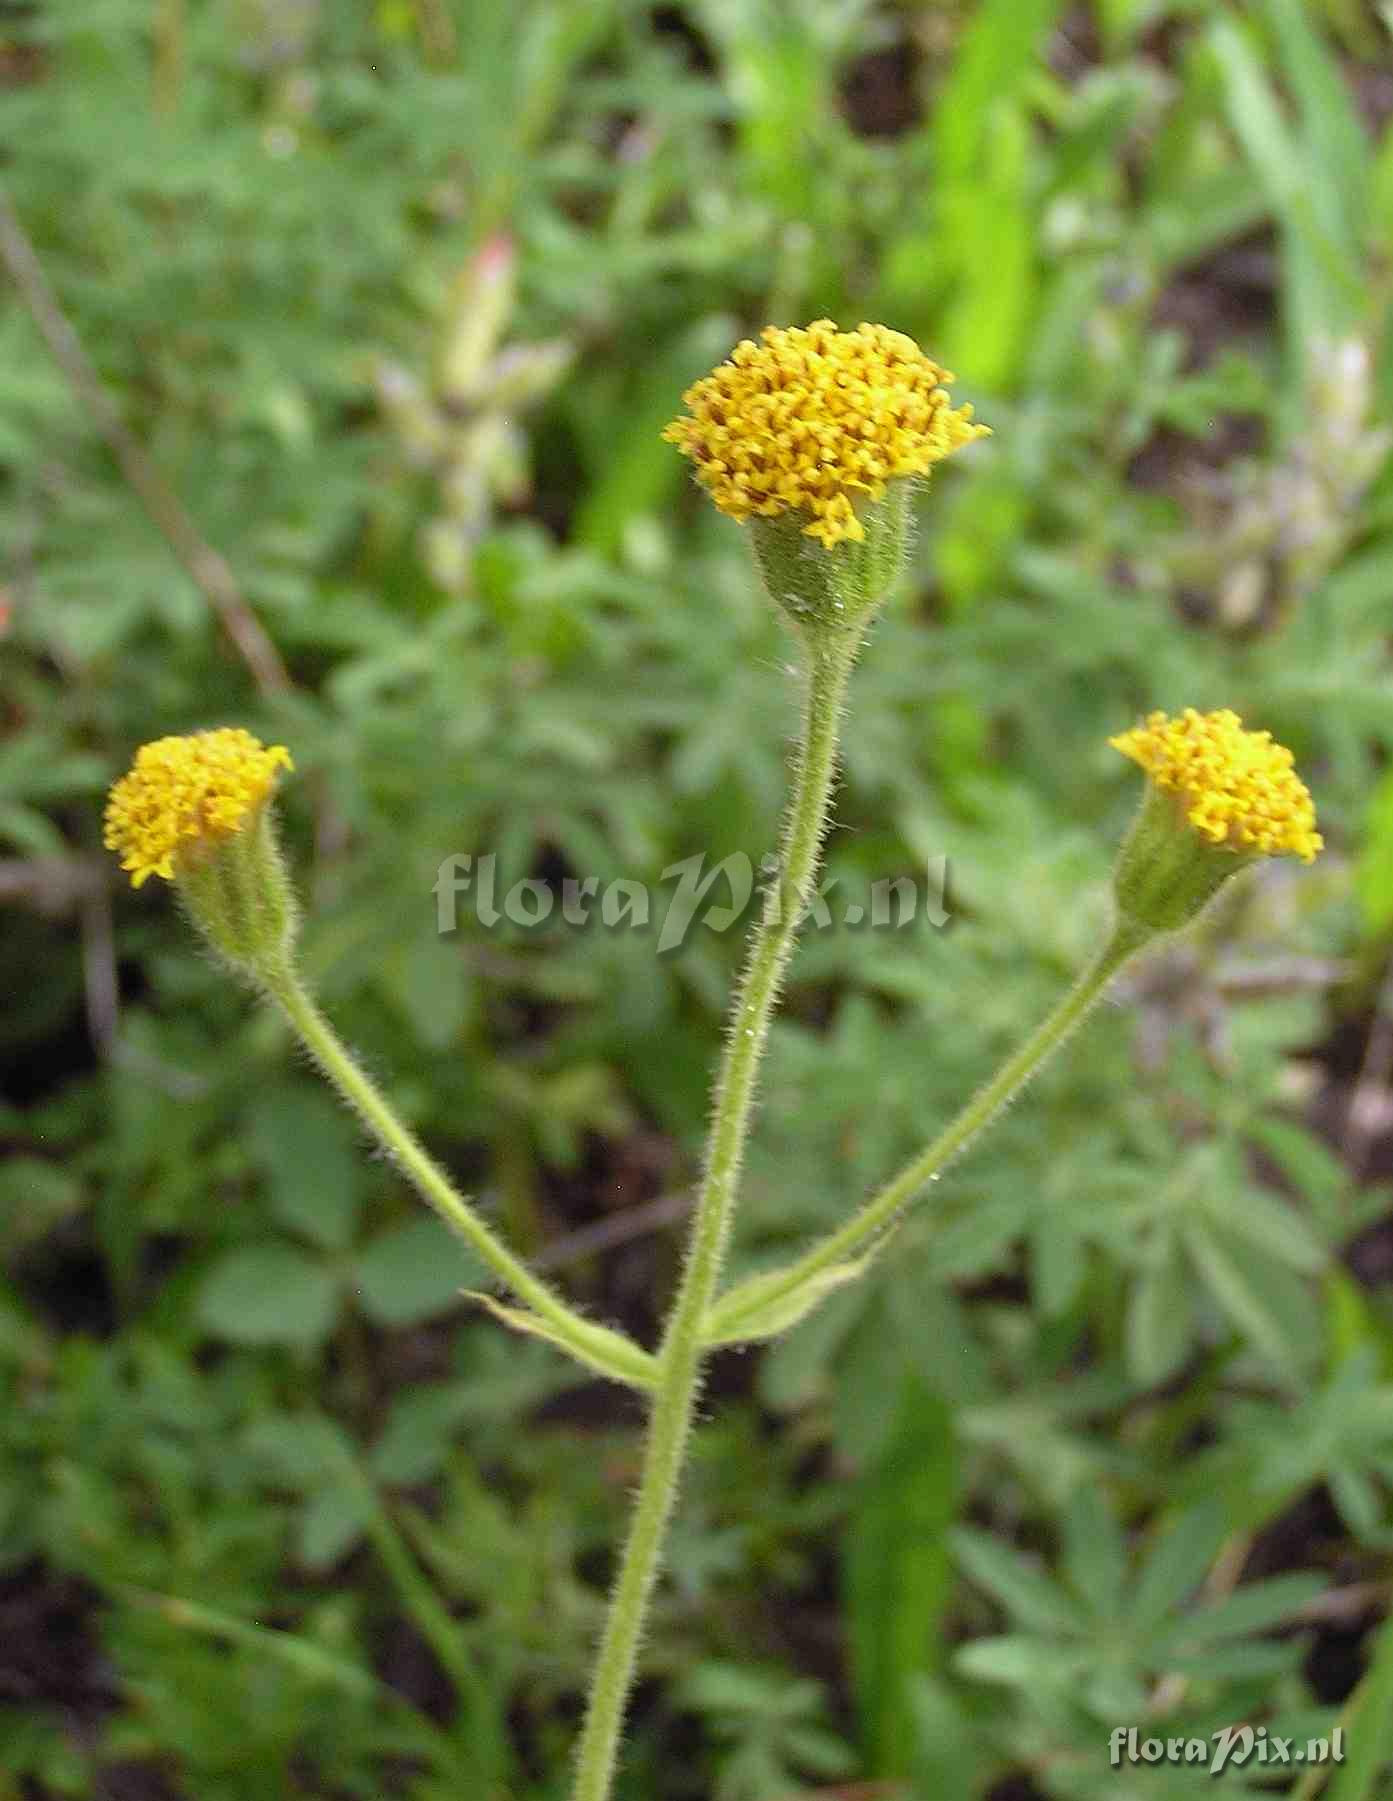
{"points": [[813, 418], [187, 793], [1238, 788]]}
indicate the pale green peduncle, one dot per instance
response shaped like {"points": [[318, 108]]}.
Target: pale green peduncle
{"points": [[830, 654], [594, 1345], [884, 1208]]}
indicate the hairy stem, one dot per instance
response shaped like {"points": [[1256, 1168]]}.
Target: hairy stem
{"points": [[883, 1209], [594, 1345], [830, 656]]}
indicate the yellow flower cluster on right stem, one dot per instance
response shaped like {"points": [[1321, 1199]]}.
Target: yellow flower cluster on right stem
{"points": [[1238, 789]]}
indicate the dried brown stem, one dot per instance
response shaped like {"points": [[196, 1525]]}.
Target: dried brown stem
{"points": [[619, 1229], [206, 567]]}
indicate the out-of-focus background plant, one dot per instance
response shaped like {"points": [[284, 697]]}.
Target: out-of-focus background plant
{"points": [[389, 303]]}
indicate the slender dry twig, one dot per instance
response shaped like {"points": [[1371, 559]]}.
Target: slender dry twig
{"points": [[437, 30], [206, 567], [1342, 1606], [619, 1228], [1369, 1102], [853, 1791], [100, 986], [168, 46], [52, 885], [1220, 1583]]}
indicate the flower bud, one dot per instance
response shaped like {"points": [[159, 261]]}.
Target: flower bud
{"points": [[196, 811], [814, 437], [481, 300], [1219, 799]]}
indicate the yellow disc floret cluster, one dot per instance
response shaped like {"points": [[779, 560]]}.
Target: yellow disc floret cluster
{"points": [[813, 418], [183, 793], [1238, 788]]}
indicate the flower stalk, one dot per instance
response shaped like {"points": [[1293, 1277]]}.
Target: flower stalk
{"points": [[829, 660], [606, 1352], [814, 439], [740, 1313], [196, 811], [1219, 798]]}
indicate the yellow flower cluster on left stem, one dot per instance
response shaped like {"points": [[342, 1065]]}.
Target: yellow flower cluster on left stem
{"points": [[186, 794]]}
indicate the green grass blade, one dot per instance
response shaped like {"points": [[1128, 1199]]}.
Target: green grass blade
{"points": [[898, 1577], [1369, 1728]]}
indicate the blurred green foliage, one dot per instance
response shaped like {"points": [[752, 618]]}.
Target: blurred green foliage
{"points": [[1109, 1436]]}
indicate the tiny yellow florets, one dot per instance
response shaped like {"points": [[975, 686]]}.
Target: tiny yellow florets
{"points": [[814, 417], [185, 792], [1239, 789]]}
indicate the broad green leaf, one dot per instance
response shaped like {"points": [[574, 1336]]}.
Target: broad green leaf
{"points": [[803, 1364], [298, 1450], [951, 1759], [873, 1373], [307, 1147], [1030, 1663], [1252, 1608], [989, 219], [1274, 1227], [1160, 1319], [1177, 1565], [268, 1294], [995, 56], [1027, 1593], [22, 1336], [1359, 1501], [1373, 880], [780, 79], [1353, 1324], [1306, 1160], [36, 1195], [428, 979], [1322, 289], [1261, 1660], [331, 1522], [639, 472], [1245, 1286], [970, 246], [1095, 1553], [1335, 140], [411, 1272], [296, 1653], [1256, 116], [420, 1431]]}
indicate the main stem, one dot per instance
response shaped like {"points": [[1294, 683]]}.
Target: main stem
{"points": [[830, 657], [592, 1343], [884, 1208]]}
